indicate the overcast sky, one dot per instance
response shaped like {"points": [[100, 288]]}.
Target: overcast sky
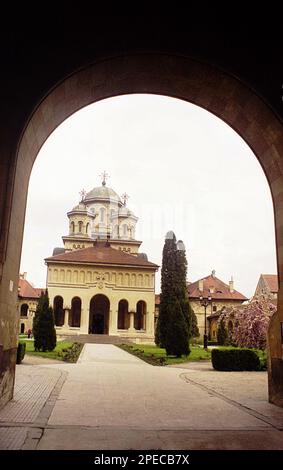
{"points": [[184, 169]]}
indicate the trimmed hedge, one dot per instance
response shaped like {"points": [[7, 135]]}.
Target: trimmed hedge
{"points": [[71, 354], [21, 352], [235, 359]]}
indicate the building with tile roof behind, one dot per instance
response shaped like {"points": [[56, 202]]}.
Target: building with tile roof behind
{"points": [[267, 287], [98, 282], [27, 302], [222, 296]]}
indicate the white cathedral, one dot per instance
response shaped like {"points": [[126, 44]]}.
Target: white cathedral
{"points": [[99, 283]]}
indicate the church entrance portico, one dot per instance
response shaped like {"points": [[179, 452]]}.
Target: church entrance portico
{"points": [[99, 315]]}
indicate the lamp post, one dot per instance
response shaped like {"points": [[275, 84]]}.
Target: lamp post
{"points": [[204, 301]]}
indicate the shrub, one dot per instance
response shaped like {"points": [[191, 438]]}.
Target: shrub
{"points": [[263, 359], [71, 354], [235, 359], [21, 352], [43, 326]]}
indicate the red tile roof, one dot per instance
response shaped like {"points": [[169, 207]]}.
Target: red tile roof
{"points": [[101, 254], [39, 290], [26, 290], [220, 290], [272, 282]]}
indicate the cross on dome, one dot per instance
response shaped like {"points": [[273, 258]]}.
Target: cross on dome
{"points": [[104, 177], [125, 198], [82, 193]]}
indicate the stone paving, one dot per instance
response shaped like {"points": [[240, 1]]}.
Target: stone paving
{"points": [[33, 388], [113, 400], [12, 438]]}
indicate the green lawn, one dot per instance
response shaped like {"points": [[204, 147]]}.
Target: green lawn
{"points": [[49, 354], [157, 356]]}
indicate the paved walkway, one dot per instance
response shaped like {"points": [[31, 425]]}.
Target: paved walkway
{"points": [[113, 400]]}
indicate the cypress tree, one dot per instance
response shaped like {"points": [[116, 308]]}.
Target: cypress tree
{"points": [[183, 296], [177, 340], [43, 326], [194, 324], [172, 330], [182, 292], [168, 281]]}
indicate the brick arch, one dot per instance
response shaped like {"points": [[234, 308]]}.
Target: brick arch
{"points": [[171, 75]]}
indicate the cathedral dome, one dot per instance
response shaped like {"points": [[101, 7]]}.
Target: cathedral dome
{"points": [[79, 208], [125, 212], [102, 193]]}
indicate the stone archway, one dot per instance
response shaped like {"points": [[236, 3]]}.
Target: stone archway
{"points": [[123, 315], [59, 314], [99, 315], [140, 315], [171, 75]]}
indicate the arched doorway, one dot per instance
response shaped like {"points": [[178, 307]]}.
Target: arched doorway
{"points": [[171, 75], [75, 314], [59, 314], [123, 317], [99, 315], [140, 315]]}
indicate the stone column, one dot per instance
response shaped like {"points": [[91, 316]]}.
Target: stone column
{"points": [[150, 323], [66, 319], [132, 320], [84, 321], [144, 317], [112, 322]]}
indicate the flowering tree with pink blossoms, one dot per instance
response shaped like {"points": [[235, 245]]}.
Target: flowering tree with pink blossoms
{"points": [[247, 325]]}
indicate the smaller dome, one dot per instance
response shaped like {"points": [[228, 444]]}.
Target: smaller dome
{"points": [[79, 208], [124, 212], [143, 256], [58, 251]]}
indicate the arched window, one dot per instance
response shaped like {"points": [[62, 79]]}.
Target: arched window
{"points": [[75, 314], [140, 280], [140, 315], [24, 310], [123, 320], [80, 226], [72, 227], [59, 314], [102, 214], [87, 229], [134, 280]]}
